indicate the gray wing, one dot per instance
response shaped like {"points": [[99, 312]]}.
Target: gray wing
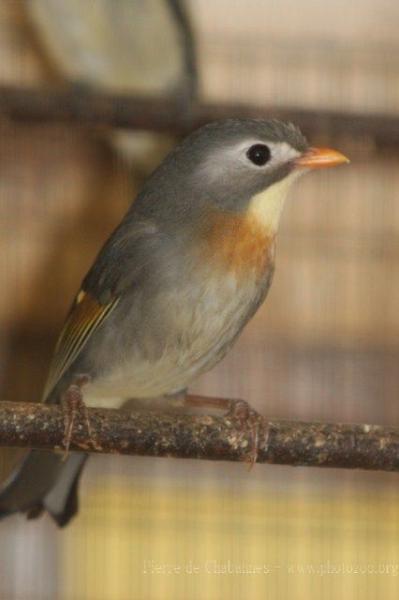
{"points": [[115, 270]]}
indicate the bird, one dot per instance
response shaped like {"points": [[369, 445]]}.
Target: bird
{"points": [[172, 287]]}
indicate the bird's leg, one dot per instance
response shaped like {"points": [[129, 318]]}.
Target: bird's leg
{"points": [[73, 403], [240, 410]]}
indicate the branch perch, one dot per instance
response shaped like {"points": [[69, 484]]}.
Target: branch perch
{"points": [[86, 107], [204, 437]]}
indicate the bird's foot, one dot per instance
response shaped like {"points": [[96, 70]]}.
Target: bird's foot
{"points": [[248, 417], [73, 403], [238, 410]]}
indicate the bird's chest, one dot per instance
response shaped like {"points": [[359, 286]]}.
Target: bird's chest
{"points": [[230, 283], [226, 304], [188, 325], [239, 247]]}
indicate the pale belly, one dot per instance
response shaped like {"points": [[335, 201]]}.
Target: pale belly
{"points": [[203, 334]]}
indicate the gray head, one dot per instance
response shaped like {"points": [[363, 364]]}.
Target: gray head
{"points": [[226, 163]]}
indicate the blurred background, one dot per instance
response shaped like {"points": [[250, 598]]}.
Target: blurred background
{"points": [[324, 346]]}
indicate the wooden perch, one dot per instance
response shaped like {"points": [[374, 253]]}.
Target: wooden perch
{"points": [[204, 437], [85, 107]]}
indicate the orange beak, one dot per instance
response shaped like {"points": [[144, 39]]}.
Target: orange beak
{"points": [[318, 158]]}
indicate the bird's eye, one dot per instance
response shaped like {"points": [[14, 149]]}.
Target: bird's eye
{"points": [[259, 154]]}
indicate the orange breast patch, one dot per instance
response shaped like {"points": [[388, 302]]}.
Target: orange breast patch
{"points": [[238, 242]]}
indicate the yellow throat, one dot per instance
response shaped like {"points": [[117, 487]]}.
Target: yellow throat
{"points": [[266, 207]]}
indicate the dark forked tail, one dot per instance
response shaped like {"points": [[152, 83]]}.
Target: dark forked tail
{"points": [[43, 480]]}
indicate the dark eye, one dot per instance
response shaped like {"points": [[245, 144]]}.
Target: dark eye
{"points": [[259, 154]]}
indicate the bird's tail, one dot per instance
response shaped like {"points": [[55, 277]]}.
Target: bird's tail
{"points": [[43, 481]]}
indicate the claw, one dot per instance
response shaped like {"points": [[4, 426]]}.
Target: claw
{"points": [[245, 414], [238, 410], [74, 403]]}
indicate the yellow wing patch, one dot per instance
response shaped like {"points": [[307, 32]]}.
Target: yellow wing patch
{"points": [[85, 317]]}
